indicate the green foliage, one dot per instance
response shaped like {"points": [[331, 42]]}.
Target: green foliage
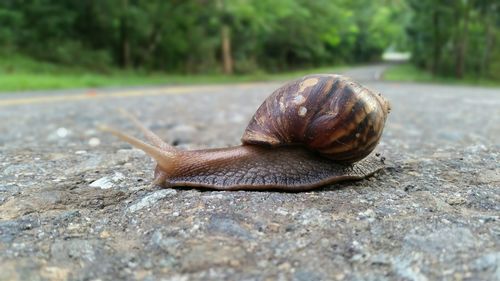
{"points": [[185, 35], [456, 38], [19, 73], [411, 73]]}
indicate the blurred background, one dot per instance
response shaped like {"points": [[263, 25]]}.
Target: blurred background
{"points": [[47, 44]]}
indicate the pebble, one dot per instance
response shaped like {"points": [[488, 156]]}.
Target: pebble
{"points": [[104, 234], [62, 132], [93, 142], [118, 177], [108, 182], [368, 215], [151, 199], [103, 183], [456, 200]]}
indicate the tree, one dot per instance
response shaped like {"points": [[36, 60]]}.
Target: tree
{"points": [[463, 35], [194, 36]]}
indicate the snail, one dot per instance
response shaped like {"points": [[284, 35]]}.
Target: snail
{"points": [[311, 132]]}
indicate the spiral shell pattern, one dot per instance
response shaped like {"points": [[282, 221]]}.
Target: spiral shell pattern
{"points": [[331, 114]]}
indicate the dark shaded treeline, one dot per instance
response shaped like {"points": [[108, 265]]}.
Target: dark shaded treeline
{"points": [[456, 37], [447, 37], [199, 35]]}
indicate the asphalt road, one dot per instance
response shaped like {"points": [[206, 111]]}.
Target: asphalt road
{"points": [[75, 203]]}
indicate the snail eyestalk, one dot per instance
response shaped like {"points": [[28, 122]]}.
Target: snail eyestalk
{"points": [[165, 159], [150, 136]]}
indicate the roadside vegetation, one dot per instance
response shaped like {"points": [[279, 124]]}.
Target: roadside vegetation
{"points": [[410, 73], [455, 39], [18, 73], [48, 44]]}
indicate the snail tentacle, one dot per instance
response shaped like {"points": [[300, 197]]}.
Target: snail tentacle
{"points": [[165, 159], [153, 138]]}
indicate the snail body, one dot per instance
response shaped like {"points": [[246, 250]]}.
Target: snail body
{"points": [[313, 131]]}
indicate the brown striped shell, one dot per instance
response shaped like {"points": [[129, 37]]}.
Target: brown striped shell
{"points": [[331, 114]]}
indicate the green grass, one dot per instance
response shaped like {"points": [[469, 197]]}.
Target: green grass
{"points": [[410, 73], [20, 73]]}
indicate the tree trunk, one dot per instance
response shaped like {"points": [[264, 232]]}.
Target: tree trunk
{"points": [[225, 33], [226, 50], [125, 44], [462, 43], [488, 46], [436, 54]]}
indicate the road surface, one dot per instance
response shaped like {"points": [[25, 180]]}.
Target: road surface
{"points": [[75, 203]]}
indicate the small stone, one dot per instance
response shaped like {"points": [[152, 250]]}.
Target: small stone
{"points": [[60, 179], [104, 234], [103, 183], [80, 152], [339, 276], [455, 200], [62, 132], [118, 177], [94, 142], [368, 215], [151, 199], [273, 227], [281, 211], [73, 226], [285, 266], [445, 221]]}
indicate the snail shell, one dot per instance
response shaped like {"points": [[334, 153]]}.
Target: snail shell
{"points": [[331, 114]]}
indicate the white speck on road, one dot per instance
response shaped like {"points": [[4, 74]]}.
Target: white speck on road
{"points": [[103, 183], [151, 199], [94, 142], [62, 132]]}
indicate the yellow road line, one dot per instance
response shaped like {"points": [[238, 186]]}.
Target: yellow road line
{"points": [[122, 94]]}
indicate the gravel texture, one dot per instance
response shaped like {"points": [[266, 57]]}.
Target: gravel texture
{"points": [[76, 204]]}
